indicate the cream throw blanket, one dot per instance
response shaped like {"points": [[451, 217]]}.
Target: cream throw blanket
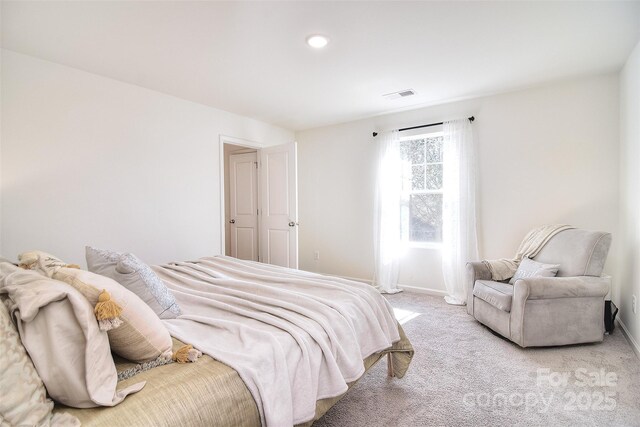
{"points": [[293, 337], [58, 328], [534, 241]]}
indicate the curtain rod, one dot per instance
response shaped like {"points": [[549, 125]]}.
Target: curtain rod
{"points": [[471, 119]]}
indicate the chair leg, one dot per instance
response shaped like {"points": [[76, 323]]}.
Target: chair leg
{"points": [[390, 366]]}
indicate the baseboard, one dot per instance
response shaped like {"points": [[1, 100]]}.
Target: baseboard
{"points": [[439, 293], [355, 279], [427, 291], [632, 341]]}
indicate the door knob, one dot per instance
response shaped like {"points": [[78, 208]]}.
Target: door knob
{"points": [[233, 221], [292, 224]]}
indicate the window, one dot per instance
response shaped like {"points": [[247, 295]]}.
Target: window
{"points": [[422, 188]]}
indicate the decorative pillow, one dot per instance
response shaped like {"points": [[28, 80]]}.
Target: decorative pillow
{"points": [[136, 276], [140, 337], [70, 353], [531, 268], [43, 262]]}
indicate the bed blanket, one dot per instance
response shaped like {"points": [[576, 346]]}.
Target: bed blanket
{"points": [[533, 242], [294, 337]]}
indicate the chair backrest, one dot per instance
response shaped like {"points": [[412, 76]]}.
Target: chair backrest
{"points": [[579, 252]]}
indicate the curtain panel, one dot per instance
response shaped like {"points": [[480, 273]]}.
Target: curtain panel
{"points": [[459, 235], [387, 233]]}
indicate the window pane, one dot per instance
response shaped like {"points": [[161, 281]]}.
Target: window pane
{"points": [[413, 151], [425, 218], [404, 150], [434, 177], [416, 151], [434, 149], [417, 177]]}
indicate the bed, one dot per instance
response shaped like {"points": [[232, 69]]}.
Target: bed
{"points": [[222, 296], [205, 393]]}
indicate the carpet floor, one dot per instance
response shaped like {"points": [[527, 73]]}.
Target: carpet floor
{"points": [[462, 374]]}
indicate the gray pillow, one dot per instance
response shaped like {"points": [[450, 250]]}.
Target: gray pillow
{"points": [[136, 276], [531, 268]]}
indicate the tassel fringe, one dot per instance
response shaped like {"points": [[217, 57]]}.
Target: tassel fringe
{"points": [[107, 312], [194, 354], [109, 324], [164, 359], [186, 354]]}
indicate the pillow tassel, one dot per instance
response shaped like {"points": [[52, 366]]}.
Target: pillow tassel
{"points": [[107, 312], [186, 354]]}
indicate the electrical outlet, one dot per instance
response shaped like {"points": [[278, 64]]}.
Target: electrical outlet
{"points": [[316, 256], [634, 304]]}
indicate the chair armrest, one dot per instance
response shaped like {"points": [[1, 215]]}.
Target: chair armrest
{"points": [[474, 271], [551, 288], [562, 287], [479, 270]]}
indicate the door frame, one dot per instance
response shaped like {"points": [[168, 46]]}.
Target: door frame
{"points": [[231, 140]]}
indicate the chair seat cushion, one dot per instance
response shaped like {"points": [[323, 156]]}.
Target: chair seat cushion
{"points": [[497, 294]]}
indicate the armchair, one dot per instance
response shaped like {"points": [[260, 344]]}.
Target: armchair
{"points": [[547, 311]]}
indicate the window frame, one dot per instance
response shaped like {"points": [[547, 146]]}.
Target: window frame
{"points": [[434, 133]]}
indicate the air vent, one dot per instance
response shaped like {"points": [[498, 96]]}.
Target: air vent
{"points": [[400, 94]]}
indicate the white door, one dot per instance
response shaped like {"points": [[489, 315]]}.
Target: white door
{"points": [[279, 204], [243, 209]]}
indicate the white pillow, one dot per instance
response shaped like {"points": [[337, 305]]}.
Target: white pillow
{"points": [[142, 336], [531, 268], [133, 274]]}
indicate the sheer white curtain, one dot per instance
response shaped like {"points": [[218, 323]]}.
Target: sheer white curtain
{"points": [[459, 238], [387, 227]]}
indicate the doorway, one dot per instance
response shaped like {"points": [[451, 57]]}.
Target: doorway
{"points": [[259, 202], [242, 203]]}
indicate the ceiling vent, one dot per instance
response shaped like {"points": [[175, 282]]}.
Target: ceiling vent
{"points": [[400, 94]]}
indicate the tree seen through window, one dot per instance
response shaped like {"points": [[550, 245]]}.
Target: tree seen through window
{"points": [[422, 157]]}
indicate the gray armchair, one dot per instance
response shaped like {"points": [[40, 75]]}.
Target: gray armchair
{"points": [[546, 311]]}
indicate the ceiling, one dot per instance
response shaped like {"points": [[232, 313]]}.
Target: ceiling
{"points": [[250, 58]]}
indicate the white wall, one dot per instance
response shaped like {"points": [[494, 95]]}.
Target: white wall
{"points": [[546, 155], [1, 192], [630, 193], [87, 160]]}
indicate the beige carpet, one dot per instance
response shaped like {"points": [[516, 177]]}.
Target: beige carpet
{"points": [[464, 375]]}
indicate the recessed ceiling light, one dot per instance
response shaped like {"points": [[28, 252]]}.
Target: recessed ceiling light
{"points": [[317, 41]]}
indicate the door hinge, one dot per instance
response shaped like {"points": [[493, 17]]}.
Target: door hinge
{"points": [[256, 164]]}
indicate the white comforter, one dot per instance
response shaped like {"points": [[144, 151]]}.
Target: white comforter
{"points": [[294, 337]]}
